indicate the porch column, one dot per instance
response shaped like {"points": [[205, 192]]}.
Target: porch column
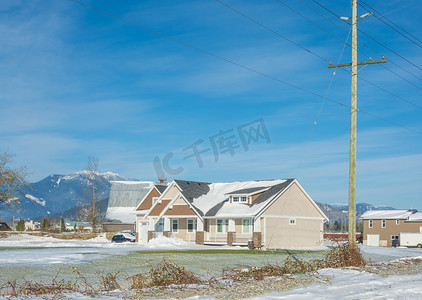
{"points": [[167, 230], [231, 232], [200, 234], [257, 236]]}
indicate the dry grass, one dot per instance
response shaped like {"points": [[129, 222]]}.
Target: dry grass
{"points": [[167, 273], [164, 274]]}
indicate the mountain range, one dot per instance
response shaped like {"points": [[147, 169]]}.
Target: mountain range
{"points": [[58, 193], [65, 195]]}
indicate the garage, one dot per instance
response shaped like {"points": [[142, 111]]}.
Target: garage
{"points": [[373, 240]]}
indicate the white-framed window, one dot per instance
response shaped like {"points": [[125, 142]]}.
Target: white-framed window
{"points": [[246, 225], [370, 224], [243, 199], [235, 199], [155, 199], [383, 223], [394, 237], [397, 222], [191, 225], [292, 221], [222, 226], [175, 225]]}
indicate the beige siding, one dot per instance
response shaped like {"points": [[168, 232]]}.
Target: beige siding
{"points": [[171, 192], [293, 202], [391, 228], [280, 234]]}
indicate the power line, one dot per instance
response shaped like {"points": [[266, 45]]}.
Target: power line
{"points": [[278, 34], [360, 41], [273, 31], [390, 21], [298, 13], [391, 50], [241, 66], [392, 27]]}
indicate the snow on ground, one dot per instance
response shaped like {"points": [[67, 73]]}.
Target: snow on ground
{"points": [[47, 250], [350, 284]]}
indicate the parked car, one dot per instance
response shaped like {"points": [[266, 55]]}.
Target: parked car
{"points": [[120, 238], [129, 234]]}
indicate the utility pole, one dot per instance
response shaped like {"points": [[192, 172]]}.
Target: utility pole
{"points": [[353, 120]]}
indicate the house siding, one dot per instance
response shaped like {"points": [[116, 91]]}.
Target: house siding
{"points": [[147, 204], [390, 229], [293, 202], [280, 234]]}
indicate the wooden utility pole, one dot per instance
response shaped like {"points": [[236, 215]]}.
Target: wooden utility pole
{"points": [[353, 121]]}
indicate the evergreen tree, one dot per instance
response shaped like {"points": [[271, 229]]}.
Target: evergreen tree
{"points": [[45, 225], [62, 225], [21, 225]]}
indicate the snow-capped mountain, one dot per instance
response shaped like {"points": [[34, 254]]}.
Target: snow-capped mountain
{"points": [[58, 193]]}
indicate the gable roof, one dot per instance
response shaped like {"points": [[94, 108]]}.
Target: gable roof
{"points": [[387, 214], [235, 209], [160, 188]]}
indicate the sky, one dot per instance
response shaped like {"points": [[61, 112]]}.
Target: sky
{"points": [[215, 91]]}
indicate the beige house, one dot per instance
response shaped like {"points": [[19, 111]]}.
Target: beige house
{"points": [[382, 227], [271, 213]]}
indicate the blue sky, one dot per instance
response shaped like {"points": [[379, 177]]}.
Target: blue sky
{"points": [[76, 83]]}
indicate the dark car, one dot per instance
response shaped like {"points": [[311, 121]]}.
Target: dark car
{"points": [[120, 238]]}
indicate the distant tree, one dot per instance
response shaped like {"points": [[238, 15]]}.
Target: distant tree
{"points": [[45, 224], [92, 169], [21, 225], [12, 180], [336, 226], [62, 225]]}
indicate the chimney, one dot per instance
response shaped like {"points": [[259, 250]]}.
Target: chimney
{"points": [[162, 179]]}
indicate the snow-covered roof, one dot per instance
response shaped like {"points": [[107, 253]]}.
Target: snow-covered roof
{"points": [[387, 214], [212, 199], [415, 217], [122, 214]]}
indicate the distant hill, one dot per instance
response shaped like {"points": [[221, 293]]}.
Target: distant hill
{"points": [[58, 193], [340, 212]]}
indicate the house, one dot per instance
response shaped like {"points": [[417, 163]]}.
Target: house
{"points": [[382, 227], [31, 225], [4, 226], [271, 213], [123, 199]]}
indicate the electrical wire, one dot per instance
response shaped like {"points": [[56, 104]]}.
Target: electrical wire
{"points": [[298, 13], [401, 28], [359, 41], [242, 66], [278, 34], [389, 49]]}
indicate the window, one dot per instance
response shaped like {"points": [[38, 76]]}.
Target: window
{"points": [[370, 224], [243, 199], [175, 225], [222, 225], [191, 225], [292, 221], [383, 224], [397, 222], [219, 225], [245, 226], [154, 199], [235, 199], [394, 237]]}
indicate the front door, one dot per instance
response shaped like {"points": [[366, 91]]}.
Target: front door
{"points": [[143, 232]]}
